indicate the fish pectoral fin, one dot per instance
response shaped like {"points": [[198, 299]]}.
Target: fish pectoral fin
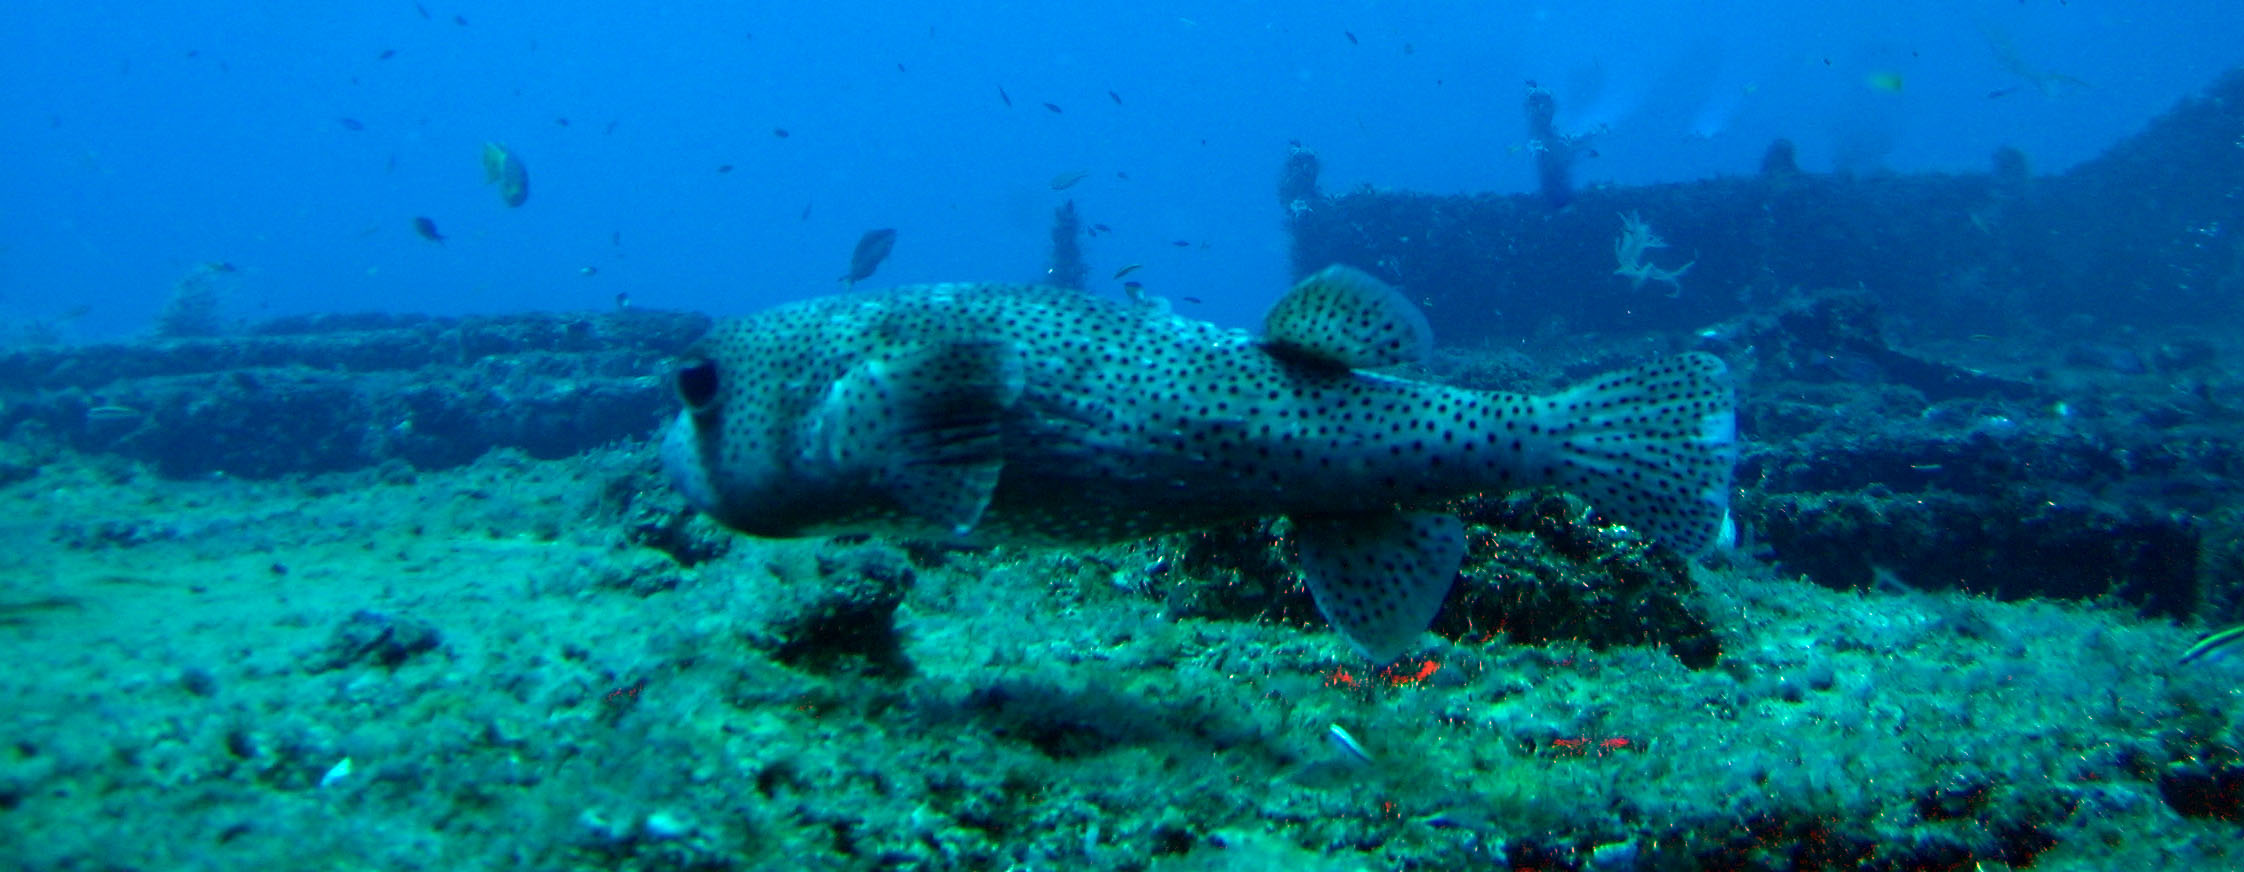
{"points": [[926, 420], [1381, 578], [1342, 315]]}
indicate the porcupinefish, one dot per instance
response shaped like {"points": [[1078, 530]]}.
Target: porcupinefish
{"points": [[989, 413]]}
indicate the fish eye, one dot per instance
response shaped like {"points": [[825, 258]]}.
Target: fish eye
{"points": [[697, 385]]}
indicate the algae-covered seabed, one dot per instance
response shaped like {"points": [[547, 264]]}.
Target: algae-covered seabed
{"points": [[517, 684]]}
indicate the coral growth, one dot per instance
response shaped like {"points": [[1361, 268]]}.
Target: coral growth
{"points": [[1628, 252]]}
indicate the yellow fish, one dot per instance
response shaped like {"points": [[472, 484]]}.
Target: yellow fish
{"points": [[500, 165]]}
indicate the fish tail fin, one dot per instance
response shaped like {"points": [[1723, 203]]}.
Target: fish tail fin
{"points": [[1653, 447]]}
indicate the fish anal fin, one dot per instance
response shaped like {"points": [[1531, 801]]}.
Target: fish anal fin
{"points": [[1380, 578], [924, 425], [1344, 316]]}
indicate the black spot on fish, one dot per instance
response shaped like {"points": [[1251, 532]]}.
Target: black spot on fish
{"points": [[350, 124], [780, 132], [1055, 109]]}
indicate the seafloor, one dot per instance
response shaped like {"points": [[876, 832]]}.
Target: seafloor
{"points": [[550, 664]]}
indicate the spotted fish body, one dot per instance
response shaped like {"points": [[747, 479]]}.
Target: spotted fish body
{"points": [[1004, 413]]}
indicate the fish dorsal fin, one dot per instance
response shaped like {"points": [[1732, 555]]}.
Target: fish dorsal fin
{"points": [[1342, 315], [926, 421], [1380, 578]]}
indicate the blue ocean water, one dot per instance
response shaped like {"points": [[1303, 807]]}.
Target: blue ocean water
{"points": [[339, 346], [146, 138]]}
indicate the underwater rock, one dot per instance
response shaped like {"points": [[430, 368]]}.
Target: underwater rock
{"points": [[842, 618], [376, 638], [332, 393]]}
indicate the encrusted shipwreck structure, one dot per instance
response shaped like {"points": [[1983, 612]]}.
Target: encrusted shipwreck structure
{"points": [[2145, 231]]}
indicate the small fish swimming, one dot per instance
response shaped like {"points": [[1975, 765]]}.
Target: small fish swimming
{"points": [[872, 248], [2212, 642], [427, 229], [1068, 179], [1008, 98], [500, 165], [990, 413]]}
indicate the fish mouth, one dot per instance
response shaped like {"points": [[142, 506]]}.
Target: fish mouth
{"points": [[683, 464]]}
